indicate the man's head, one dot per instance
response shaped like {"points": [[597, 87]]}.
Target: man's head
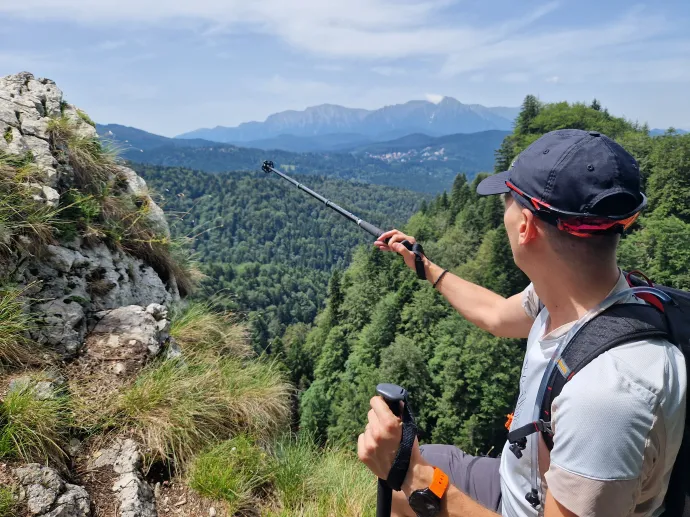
{"points": [[568, 198]]}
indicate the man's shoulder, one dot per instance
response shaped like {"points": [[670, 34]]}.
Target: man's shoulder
{"points": [[652, 366]]}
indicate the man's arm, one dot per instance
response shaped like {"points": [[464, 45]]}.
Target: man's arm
{"points": [[503, 317], [377, 448]]}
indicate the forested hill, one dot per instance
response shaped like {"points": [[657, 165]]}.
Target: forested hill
{"points": [[266, 247], [382, 324], [416, 162]]}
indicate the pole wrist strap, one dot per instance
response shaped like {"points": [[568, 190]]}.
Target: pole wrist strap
{"points": [[398, 472], [419, 260]]}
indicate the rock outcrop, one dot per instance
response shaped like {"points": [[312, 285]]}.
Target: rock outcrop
{"points": [[96, 304], [75, 279]]}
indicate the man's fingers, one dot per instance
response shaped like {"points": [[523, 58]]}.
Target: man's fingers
{"points": [[388, 234], [383, 414]]}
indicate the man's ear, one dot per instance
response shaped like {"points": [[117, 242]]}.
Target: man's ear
{"points": [[528, 227]]}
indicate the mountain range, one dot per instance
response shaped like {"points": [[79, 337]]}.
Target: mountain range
{"points": [[355, 126], [418, 162]]}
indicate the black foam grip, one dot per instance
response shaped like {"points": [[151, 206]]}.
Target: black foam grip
{"points": [[373, 230]]}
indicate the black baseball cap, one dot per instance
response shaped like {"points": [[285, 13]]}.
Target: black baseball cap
{"points": [[574, 172]]}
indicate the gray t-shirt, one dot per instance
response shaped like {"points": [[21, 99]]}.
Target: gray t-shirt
{"points": [[618, 426]]}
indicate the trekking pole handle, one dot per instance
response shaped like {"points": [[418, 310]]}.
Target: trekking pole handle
{"points": [[393, 395]]}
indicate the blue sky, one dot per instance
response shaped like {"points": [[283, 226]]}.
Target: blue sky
{"points": [[169, 66]]}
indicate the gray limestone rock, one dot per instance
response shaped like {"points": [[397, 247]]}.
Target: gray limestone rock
{"points": [[136, 497], [45, 385], [62, 325], [75, 502], [40, 486], [47, 495], [129, 329], [134, 494]]}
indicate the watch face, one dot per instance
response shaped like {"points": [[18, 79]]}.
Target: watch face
{"points": [[425, 503]]}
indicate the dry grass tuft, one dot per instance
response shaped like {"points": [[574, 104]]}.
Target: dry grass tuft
{"points": [[15, 347], [177, 408], [34, 427], [199, 330], [93, 163], [25, 223]]}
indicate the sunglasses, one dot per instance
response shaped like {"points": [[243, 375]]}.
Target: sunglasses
{"points": [[580, 225]]}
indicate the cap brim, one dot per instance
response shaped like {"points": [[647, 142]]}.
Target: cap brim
{"points": [[495, 184]]}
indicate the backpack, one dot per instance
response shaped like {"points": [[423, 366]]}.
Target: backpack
{"points": [[666, 315]]}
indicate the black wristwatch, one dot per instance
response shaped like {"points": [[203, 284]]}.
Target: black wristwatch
{"points": [[427, 502]]}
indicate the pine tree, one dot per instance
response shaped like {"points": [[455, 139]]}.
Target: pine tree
{"points": [[595, 105], [530, 109]]}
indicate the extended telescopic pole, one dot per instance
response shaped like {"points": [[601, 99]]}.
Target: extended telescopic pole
{"points": [[267, 167]]}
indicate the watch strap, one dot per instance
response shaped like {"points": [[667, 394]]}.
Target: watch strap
{"points": [[439, 483]]}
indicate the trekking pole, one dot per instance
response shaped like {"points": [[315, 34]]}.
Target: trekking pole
{"points": [[393, 395], [268, 167]]}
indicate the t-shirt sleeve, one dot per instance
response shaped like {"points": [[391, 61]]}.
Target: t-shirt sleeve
{"points": [[530, 302], [602, 425]]}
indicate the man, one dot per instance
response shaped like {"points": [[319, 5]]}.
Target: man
{"points": [[618, 423]]}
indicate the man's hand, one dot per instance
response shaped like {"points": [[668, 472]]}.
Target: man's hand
{"points": [[378, 444], [394, 244]]}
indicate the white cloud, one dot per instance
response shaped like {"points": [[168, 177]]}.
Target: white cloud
{"points": [[434, 97], [378, 30], [553, 79]]}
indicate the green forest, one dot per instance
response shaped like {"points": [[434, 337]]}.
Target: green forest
{"points": [[467, 153], [383, 325], [267, 249]]}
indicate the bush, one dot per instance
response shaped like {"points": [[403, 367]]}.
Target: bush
{"points": [[33, 426], [234, 471], [177, 408]]}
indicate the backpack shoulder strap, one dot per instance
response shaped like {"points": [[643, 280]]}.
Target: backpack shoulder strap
{"points": [[619, 324]]}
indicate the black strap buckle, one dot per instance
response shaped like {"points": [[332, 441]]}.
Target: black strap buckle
{"points": [[533, 498], [518, 446]]}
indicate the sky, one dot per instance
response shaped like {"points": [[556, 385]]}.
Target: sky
{"points": [[170, 66]]}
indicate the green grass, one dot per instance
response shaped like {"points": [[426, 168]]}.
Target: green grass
{"points": [[15, 323], [8, 135], [200, 330], [92, 162], [20, 214], [178, 408], [8, 504], [31, 428], [86, 118], [236, 471], [315, 482]]}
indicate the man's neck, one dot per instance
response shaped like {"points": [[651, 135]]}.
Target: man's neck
{"points": [[569, 295]]}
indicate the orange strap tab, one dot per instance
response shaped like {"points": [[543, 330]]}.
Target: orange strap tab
{"points": [[439, 483], [509, 421]]}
